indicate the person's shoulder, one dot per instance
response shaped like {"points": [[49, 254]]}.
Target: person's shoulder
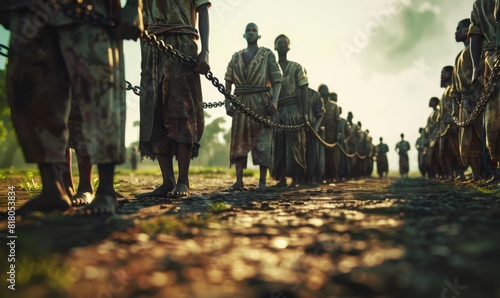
{"points": [[294, 64], [265, 50]]}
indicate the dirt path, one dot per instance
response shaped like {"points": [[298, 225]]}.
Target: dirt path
{"points": [[365, 238]]}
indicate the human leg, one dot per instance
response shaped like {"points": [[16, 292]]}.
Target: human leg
{"points": [[53, 196], [184, 153], [85, 192]]}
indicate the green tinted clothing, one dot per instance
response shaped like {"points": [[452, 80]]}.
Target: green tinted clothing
{"points": [[288, 154], [65, 62], [171, 102], [246, 134], [445, 111]]}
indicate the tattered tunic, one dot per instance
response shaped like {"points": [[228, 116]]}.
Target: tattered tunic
{"points": [[289, 147], [251, 81], [63, 61], [314, 151], [171, 103], [382, 162], [332, 155], [404, 165]]}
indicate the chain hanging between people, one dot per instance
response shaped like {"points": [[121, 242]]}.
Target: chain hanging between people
{"points": [[333, 145], [490, 88]]}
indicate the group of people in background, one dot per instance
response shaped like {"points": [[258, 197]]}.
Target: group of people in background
{"points": [[447, 147], [329, 148]]}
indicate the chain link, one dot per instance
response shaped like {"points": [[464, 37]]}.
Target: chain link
{"points": [[4, 50], [490, 88], [206, 105], [333, 145], [135, 89], [212, 105]]}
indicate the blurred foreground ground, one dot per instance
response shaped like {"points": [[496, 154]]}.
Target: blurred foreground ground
{"points": [[364, 238]]}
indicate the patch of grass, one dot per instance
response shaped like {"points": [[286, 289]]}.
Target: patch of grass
{"points": [[95, 183], [127, 188], [486, 190], [161, 224], [34, 188], [46, 270], [197, 220], [169, 224], [217, 207], [35, 268]]}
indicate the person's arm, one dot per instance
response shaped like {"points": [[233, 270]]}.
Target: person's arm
{"points": [[273, 105], [304, 98], [476, 46], [317, 122], [204, 27], [476, 49], [275, 76], [229, 106]]}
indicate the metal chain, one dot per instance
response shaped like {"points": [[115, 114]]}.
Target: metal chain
{"points": [[176, 55], [206, 105], [490, 87], [330, 145], [211, 105], [135, 89], [4, 50]]}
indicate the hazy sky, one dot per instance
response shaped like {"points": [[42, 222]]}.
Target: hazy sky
{"points": [[382, 57]]}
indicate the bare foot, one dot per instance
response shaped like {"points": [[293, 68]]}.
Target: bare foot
{"points": [[103, 204], [82, 198], [294, 184], [237, 186], [45, 202], [161, 192], [281, 183], [261, 186], [180, 191]]}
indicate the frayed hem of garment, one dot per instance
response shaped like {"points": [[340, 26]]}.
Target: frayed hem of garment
{"points": [[146, 150]]}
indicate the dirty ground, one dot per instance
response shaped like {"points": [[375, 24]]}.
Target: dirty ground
{"points": [[363, 238]]}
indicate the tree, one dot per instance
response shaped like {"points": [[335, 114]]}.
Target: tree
{"points": [[213, 152]]}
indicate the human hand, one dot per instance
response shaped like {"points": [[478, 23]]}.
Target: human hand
{"points": [[230, 110], [202, 67], [476, 78], [271, 109], [130, 25]]}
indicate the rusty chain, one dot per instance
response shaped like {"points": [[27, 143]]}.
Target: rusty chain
{"points": [[490, 87], [333, 145]]}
